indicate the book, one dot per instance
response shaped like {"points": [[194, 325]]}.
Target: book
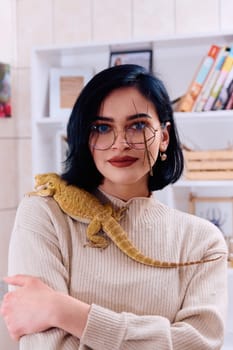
{"points": [[215, 91], [188, 100], [210, 81], [224, 94], [229, 103]]}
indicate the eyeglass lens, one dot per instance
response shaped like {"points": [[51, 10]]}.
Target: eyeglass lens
{"points": [[103, 138]]}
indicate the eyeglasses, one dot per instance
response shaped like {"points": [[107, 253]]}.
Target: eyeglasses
{"points": [[137, 136]]}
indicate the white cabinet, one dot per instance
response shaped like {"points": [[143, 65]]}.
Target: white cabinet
{"points": [[175, 59]]}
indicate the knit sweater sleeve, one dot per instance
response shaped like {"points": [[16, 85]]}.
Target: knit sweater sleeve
{"points": [[35, 245], [199, 324]]}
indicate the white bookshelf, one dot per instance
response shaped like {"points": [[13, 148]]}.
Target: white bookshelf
{"points": [[175, 59]]}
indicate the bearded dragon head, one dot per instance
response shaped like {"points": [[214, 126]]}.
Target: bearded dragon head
{"points": [[46, 184]]}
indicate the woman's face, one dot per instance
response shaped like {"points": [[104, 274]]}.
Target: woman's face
{"points": [[126, 139]]}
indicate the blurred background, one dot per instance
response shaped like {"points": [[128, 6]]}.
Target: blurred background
{"points": [[29, 23]]}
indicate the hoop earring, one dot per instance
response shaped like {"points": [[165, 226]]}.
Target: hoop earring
{"points": [[163, 156]]}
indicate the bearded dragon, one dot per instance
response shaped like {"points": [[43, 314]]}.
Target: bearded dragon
{"points": [[85, 207]]}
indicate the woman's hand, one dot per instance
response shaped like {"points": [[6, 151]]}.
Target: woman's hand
{"points": [[29, 308], [34, 307]]}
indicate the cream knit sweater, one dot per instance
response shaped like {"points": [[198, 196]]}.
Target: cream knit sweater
{"points": [[133, 306]]}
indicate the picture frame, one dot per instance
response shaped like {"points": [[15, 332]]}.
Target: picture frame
{"points": [[65, 85], [218, 210], [141, 57], [61, 151], [5, 90]]}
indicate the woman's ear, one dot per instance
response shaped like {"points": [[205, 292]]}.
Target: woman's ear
{"points": [[165, 137]]}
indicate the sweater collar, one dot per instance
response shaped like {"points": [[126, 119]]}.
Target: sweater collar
{"points": [[118, 203]]}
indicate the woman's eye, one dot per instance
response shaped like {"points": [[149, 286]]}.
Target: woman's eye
{"points": [[138, 126], [101, 128]]}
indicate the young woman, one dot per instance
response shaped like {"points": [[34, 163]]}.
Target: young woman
{"points": [[123, 145]]}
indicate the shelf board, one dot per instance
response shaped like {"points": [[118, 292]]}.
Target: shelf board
{"points": [[223, 115], [48, 121], [204, 183], [179, 116]]}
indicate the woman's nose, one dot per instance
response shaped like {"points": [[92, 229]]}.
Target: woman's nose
{"points": [[120, 140]]}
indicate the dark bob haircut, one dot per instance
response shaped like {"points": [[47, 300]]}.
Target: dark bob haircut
{"points": [[80, 169]]}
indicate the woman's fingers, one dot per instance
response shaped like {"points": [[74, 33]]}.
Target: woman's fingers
{"points": [[18, 280], [28, 309]]}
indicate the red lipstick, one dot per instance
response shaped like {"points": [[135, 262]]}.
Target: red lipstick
{"points": [[121, 162]]}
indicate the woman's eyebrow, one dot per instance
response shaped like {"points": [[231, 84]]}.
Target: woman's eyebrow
{"points": [[138, 115], [130, 117], [106, 119]]}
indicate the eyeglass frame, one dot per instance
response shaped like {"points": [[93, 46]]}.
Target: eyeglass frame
{"points": [[131, 145]]}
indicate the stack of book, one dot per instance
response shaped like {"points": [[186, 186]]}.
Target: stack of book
{"points": [[212, 84]]}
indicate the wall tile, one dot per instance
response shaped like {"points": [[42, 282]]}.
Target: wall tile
{"points": [[8, 173], [72, 21], [34, 27], [6, 342], [112, 20], [151, 18], [7, 220], [24, 167], [197, 16], [226, 11], [8, 35], [7, 127], [22, 102]]}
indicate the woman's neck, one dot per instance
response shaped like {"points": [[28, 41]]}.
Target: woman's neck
{"points": [[125, 192]]}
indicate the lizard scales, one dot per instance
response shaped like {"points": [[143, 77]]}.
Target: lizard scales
{"points": [[85, 207]]}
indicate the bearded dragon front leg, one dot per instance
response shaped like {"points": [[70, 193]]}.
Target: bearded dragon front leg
{"points": [[95, 240], [119, 214]]}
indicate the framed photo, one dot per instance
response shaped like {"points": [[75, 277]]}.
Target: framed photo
{"points": [[5, 90], [218, 210], [142, 58], [64, 87], [61, 151]]}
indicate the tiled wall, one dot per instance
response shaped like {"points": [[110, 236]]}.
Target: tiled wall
{"points": [[27, 23], [8, 152]]}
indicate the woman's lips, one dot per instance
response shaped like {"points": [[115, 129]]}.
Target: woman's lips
{"points": [[122, 162]]}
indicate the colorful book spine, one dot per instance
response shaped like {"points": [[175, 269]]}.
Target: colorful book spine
{"points": [[229, 103], [187, 102], [211, 80], [223, 96], [215, 91]]}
